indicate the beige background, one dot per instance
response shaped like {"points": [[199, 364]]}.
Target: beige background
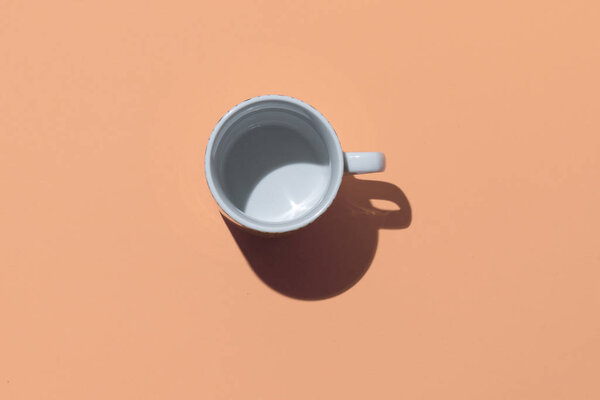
{"points": [[120, 280]]}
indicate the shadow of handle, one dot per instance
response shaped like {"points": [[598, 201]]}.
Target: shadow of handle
{"points": [[387, 219]]}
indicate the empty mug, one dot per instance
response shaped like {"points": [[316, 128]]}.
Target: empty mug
{"points": [[274, 164]]}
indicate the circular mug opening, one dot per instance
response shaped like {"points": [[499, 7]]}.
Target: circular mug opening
{"points": [[271, 163]]}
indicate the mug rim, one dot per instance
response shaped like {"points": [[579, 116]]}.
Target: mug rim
{"points": [[239, 217]]}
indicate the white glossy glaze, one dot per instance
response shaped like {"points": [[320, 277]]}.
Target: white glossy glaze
{"points": [[274, 163]]}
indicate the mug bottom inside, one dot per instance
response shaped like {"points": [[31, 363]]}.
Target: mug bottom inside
{"points": [[275, 173], [287, 193]]}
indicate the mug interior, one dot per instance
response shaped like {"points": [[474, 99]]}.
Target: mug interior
{"points": [[274, 163]]}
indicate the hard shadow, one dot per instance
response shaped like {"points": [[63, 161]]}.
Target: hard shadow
{"points": [[333, 253]]}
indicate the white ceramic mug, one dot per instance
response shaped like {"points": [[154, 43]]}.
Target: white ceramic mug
{"points": [[274, 164]]}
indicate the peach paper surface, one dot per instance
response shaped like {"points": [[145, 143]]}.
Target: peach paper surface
{"points": [[469, 269]]}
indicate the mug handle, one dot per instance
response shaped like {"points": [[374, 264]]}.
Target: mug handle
{"points": [[363, 162]]}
